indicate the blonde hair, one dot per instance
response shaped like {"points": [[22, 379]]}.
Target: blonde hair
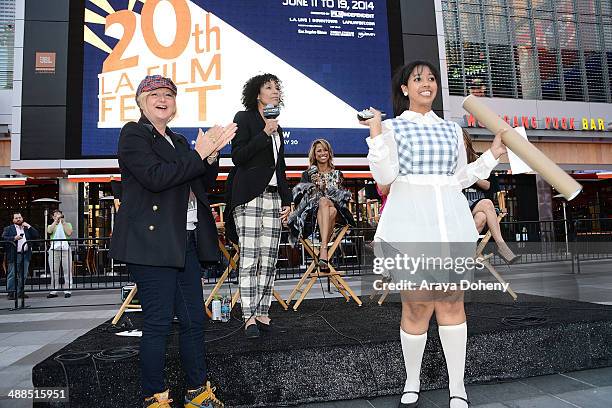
{"points": [[312, 158], [142, 99]]}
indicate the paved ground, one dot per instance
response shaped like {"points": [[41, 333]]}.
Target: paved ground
{"points": [[29, 336]]}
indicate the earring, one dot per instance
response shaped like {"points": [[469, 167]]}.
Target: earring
{"points": [[405, 93]]}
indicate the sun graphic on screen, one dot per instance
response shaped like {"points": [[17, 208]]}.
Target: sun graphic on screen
{"points": [[94, 18]]}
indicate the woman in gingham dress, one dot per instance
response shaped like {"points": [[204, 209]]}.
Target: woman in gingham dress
{"points": [[422, 157]]}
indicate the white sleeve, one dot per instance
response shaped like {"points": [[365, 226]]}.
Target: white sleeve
{"points": [[382, 155], [468, 174]]}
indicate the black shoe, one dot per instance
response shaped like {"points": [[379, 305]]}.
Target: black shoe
{"points": [[266, 328], [51, 295], [251, 331], [461, 398], [23, 296], [67, 295], [414, 404], [11, 296]]}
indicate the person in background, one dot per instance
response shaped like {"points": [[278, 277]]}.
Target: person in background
{"points": [[60, 254], [18, 255], [321, 196], [383, 192], [480, 199]]}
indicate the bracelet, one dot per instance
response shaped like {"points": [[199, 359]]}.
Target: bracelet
{"points": [[211, 159]]}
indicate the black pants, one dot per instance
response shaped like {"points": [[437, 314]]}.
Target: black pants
{"points": [[164, 293]]}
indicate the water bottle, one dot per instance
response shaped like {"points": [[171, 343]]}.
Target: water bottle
{"points": [[225, 309], [216, 309]]}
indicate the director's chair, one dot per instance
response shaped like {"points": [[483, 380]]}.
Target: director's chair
{"points": [[232, 259], [479, 256], [484, 240], [314, 272]]}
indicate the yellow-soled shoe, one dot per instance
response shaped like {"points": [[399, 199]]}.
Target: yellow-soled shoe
{"points": [[203, 397], [160, 400]]}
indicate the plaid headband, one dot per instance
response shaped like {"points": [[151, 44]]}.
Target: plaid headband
{"points": [[153, 82]]}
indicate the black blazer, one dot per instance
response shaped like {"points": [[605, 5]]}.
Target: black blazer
{"points": [[254, 165], [9, 234], [150, 227]]}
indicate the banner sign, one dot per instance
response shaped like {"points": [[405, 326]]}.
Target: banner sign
{"points": [[332, 57]]}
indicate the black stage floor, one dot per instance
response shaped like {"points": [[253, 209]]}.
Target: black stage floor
{"points": [[332, 350]]}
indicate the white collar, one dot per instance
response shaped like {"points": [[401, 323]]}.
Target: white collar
{"points": [[428, 118]]}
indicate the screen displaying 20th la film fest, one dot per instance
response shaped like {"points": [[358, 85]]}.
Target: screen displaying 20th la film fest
{"points": [[305, 203], [331, 55]]}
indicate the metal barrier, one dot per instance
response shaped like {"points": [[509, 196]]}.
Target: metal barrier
{"points": [[70, 264], [90, 267], [592, 239]]}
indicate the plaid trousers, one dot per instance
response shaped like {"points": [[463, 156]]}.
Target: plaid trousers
{"points": [[259, 229]]}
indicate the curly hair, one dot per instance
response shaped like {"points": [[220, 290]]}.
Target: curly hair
{"points": [[401, 102], [251, 88]]}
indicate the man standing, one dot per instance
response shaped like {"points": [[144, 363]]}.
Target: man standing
{"points": [[60, 255], [18, 255]]}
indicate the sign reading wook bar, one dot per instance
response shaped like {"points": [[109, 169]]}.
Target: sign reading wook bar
{"points": [[548, 122]]}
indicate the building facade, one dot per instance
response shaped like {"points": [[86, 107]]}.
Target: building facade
{"points": [[542, 64]]}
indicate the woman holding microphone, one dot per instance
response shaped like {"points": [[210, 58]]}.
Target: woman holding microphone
{"points": [[163, 230], [258, 198], [423, 159]]}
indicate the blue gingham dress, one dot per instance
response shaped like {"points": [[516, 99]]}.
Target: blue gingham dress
{"points": [[423, 158]]}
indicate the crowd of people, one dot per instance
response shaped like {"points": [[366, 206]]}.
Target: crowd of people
{"points": [[165, 228]]}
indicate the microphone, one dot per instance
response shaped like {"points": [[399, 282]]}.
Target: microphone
{"points": [[271, 112], [367, 114]]}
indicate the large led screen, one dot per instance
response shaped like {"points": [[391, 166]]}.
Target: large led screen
{"points": [[331, 55]]}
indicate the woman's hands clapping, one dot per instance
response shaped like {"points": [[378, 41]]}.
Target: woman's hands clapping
{"points": [[214, 139]]}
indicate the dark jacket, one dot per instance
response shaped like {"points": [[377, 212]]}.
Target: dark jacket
{"points": [[150, 228], [9, 234], [254, 165]]}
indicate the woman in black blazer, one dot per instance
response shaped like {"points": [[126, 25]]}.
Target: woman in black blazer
{"points": [[163, 229], [258, 198]]}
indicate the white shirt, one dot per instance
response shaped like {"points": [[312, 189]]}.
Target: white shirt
{"points": [[20, 230], [425, 207], [275, 147], [58, 235], [192, 205], [384, 161]]}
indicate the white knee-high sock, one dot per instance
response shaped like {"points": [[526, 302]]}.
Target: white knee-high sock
{"points": [[454, 342], [413, 347]]}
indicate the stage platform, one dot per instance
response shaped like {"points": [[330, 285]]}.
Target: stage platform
{"points": [[332, 350]]}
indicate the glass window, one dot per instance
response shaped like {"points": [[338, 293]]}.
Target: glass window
{"points": [[531, 49], [7, 41]]}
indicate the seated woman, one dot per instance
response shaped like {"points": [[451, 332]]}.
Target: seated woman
{"points": [[483, 210], [319, 195]]}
